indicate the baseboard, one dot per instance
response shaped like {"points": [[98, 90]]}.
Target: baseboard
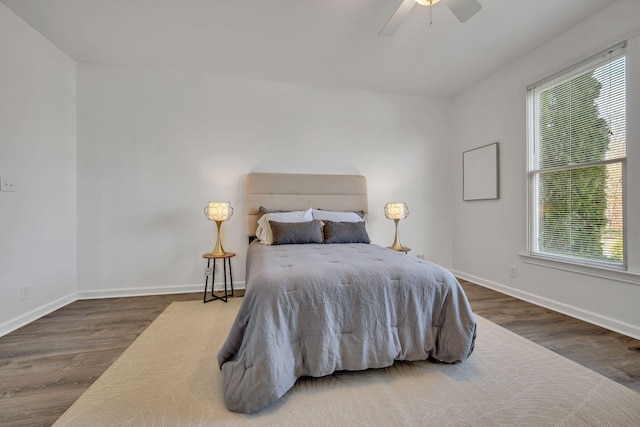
{"points": [[610, 323], [35, 314], [156, 290]]}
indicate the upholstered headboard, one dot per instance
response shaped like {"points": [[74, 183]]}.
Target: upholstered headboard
{"points": [[301, 191]]}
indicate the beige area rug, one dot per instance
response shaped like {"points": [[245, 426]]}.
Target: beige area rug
{"points": [[169, 377]]}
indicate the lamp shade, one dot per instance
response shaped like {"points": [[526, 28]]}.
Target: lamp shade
{"points": [[396, 210], [218, 211]]}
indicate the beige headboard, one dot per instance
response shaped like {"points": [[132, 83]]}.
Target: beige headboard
{"points": [[301, 191]]}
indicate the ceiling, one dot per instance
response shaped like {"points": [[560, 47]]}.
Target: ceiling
{"points": [[320, 42]]}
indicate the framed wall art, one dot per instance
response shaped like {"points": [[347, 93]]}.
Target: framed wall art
{"points": [[480, 173]]}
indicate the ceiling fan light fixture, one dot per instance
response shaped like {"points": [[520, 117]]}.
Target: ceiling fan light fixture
{"points": [[462, 9]]}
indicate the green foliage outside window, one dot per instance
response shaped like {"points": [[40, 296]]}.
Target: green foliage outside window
{"points": [[574, 201]]}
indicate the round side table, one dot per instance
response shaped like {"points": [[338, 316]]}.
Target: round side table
{"points": [[402, 249], [226, 259]]}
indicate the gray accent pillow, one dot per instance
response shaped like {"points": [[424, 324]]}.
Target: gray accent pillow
{"points": [[345, 232], [292, 233], [359, 213], [262, 210]]}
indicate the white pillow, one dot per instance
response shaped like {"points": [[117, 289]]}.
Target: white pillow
{"points": [[263, 231], [336, 216]]}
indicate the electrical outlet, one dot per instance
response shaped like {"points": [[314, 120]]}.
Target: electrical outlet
{"points": [[6, 183], [208, 271], [420, 256], [24, 292], [513, 271]]}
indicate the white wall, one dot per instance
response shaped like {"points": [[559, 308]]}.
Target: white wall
{"points": [[488, 235], [38, 150], [155, 146]]}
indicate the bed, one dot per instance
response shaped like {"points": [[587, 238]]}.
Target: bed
{"points": [[313, 308]]}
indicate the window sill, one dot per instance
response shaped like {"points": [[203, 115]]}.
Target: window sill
{"points": [[589, 270]]}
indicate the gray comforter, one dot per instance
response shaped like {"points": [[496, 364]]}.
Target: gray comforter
{"points": [[310, 310]]}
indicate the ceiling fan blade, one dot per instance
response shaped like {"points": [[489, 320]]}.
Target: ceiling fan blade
{"points": [[394, 22], [463, 9]]}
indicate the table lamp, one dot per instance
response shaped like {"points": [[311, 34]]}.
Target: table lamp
{"points": [[218, 212], [396, 211]]}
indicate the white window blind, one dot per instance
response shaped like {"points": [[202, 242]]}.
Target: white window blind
{"points": [[577, 159]]}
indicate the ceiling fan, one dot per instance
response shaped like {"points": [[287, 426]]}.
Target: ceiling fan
{"points": [[462, 9]]}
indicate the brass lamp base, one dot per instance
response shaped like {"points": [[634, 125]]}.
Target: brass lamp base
{"points": [[218, 250], [396, 242]]}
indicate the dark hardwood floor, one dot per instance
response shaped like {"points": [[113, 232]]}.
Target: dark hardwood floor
{"points": [[603, 351], [46, 365]]}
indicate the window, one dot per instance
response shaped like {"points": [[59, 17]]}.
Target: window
{"points": [[576, 163]]}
